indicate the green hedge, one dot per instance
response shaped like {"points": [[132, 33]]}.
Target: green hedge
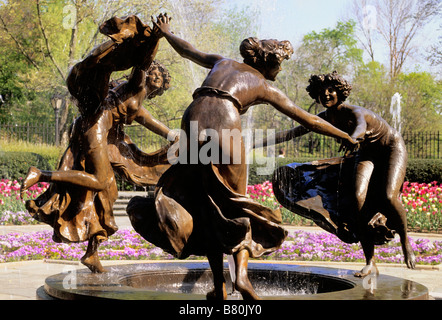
{"points": [[424, 170], [14, 165], [418, 170]]}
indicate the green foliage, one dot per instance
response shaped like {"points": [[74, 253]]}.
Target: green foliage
{"points": [[14, 165], [372, 89], [17, 156], [424, 170], [422, 97], [331, 49]]}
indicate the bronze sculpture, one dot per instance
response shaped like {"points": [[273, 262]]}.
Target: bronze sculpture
{"points": [[201, 208], [78, 204], [355, 197]]}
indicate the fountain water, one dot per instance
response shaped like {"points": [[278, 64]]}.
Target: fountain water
{"points": [[395, 111]]}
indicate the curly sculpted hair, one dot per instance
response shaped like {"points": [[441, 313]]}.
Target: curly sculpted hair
{"points": [[317, 83], [256, 54], [155, 65], [166, 78]]}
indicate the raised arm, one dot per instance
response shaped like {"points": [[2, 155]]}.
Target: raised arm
{"points": [[184, 48], [137, 79]]}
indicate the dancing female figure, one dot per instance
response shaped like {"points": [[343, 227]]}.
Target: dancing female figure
{"points": [[201, 208], [380, 162], [78, 204]]}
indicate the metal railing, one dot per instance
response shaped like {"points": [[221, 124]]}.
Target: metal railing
{"points": [[420, 145]]}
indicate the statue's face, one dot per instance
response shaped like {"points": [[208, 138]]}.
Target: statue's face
{"points": [[328, 97], [154, 79]]}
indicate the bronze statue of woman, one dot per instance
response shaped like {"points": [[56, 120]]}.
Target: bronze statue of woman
{"points": [[202, 208], [379, 163], [78, 204]]}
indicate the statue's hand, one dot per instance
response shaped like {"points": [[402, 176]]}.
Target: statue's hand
{"points": [[349, 146], [162, 25]]}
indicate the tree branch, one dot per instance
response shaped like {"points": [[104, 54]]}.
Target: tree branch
{"points": [[48, 48], [19, 46]]}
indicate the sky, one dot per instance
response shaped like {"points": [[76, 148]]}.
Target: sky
{"points": [[292, 19]]}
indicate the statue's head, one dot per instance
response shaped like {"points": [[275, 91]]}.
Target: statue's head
{"points": [[266, 55], [157, 80], [329, 89]]}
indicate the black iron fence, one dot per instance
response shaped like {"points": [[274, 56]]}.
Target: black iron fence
{"points": [[420, 145], [29, 132]]}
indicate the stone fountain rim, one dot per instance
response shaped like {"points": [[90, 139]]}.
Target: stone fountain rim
{"points": [[109, 285]]}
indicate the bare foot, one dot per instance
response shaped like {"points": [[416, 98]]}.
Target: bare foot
{"points": [[368, 269], [409, 257], [244, 286], [32, 178], [217, 294], [93, 263]]}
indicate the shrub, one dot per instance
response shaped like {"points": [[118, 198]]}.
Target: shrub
{"points": [[48, 155], [15, 165], [424, 170]]}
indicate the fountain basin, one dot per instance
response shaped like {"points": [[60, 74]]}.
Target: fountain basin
{"points": [[192, 280]]}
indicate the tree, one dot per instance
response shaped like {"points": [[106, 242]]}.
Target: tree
{"points": [[330, 49], [51, 36], [422, 100], [420, 92], [435, 53], [372, 89], [398, 23]]}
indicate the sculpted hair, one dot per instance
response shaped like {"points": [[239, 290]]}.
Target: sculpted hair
{"points": [[250, 50], [317, 82], [166, 78]]}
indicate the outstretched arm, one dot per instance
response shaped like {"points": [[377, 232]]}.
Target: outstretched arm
{"points": [[312, 122], [285, 135], [281, 137], [137, 78], [184, 48]]}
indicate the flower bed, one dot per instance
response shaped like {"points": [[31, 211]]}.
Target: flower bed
{"points": [[323, 246], [422, 201], [12, 208], [129, 245]]}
